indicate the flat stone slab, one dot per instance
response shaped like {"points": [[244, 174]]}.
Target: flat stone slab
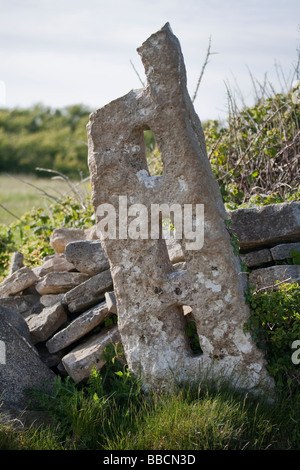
{"points": [[60, 282], [89, 293], [268, 277], [18, 282], [20, 368], [87, 256], [283, 251], [266, 226], [46, 323], [60, 237], [54, 263], [78, 328], [82, 359], [257, 258]]}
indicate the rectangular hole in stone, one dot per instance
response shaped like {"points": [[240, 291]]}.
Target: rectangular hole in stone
{"points": [[153, 154], [191, 330]]}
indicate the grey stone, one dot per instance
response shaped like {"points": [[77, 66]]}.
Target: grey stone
{"points": [[268, 277], [78, 328], [174, 250], [111, 302], [24, 304], [20, 369], [46, 323], [257, 258], [16, 262], [149, 292], [47, 300], [60, 237], [16, 320], [82, 359], [60, 282], [55, 263], [87, 256], [283, 251], [89, 293], [18, 282], [266, 226]]}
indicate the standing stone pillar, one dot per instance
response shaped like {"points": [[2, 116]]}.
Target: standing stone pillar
{"points": [[150, 292]]}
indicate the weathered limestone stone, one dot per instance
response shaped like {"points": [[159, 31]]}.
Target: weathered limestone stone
{"points": [[175, 251], [89, 293], [48, 300], [16, 320], [266, 225], [56, 283], [18, 282], [16, 262], [22, 368], [46, 323], [60, 237], [257, 258], [24, 304], [111, 302], [268, 277], [55, 263], [82, 359], [87, 256], [78, 328], [150, 293], [283, 251]]}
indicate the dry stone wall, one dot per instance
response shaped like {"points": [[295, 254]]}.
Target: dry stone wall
{"points": [[45, 338]]}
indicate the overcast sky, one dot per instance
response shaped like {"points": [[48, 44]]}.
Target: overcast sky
{"points": [[62, 52]]}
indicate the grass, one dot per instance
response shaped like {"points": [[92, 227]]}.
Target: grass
{"points": [[207, 417], [21, 193]]}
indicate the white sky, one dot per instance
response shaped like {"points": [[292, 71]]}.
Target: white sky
{"points": [[64, 52]]}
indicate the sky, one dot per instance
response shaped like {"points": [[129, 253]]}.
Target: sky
{"points": [[65, 52]]}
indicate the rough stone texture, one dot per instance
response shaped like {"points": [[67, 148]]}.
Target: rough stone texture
{"points": [[55, 263], [25, 304], [257, 258], [17, 282], [266, 225], [283, 251], [56, 283], [149, 292], [267, 277], [174, 251], [46, 323], [78, 328], [87, 256], [60, 237], [16, 320], [23, 368], [111, 302], [80, 361], [89, 293], [48, 300], [16, 262]]}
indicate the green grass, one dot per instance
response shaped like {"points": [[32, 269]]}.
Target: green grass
{"points": [[21, 193], [200, 418]]}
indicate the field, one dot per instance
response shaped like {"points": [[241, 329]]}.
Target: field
{"points": [[22, 193]]}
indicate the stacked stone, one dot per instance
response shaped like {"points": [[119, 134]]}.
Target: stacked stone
{"points": [[269, 239], [65, 302]]}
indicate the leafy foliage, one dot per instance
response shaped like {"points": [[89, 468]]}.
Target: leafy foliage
{"points": [[274, 324], [56, 139]]}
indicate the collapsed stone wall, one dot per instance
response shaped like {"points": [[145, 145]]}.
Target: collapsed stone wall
{"points": [[60, 316]]}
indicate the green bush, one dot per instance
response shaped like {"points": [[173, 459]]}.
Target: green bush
{"points": [[274, 324]]}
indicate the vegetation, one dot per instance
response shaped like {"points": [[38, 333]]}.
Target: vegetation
{"points": [[41, 136]]}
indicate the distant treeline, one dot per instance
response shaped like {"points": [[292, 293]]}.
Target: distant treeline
{"points": [[43, 137]]}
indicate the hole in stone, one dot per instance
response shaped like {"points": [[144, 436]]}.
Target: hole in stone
{"points": [[191, 330], [153, 154]]}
